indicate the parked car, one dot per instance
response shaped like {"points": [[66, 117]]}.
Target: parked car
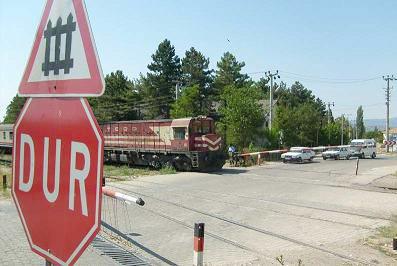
{"points": [[340, 152], [363, 148], [298, 154]]}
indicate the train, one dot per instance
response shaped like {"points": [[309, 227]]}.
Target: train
{"points": [[6, 137], [187, 144]]}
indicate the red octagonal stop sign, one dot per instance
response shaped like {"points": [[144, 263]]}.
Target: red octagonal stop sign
{"points": [[58, 154]]}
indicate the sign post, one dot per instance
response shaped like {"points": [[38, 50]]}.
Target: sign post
{"points": [[58, 145]]}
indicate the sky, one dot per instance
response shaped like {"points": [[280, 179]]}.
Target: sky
{"points": [[338, 49]]}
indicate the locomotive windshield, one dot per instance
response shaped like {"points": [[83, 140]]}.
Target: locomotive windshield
{"points": [[203, 126]]}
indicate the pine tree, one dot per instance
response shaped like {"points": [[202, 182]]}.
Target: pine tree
{"points": [[164, 72], [13, 109], [229, 73], [195, 71], [119, 100]]}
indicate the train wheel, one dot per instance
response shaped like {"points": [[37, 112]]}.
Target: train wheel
{"points": [[187, 166], [156, 165], [169, 164]]}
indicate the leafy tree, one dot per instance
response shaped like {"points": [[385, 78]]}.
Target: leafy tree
{"points": [[347, 130], [188, 105], [273, 137], [242, 115], [229, 73], [375, 134], [300, 125], [360, 122], [300, 116], [13, 109], [195, 71], [164, 71]]}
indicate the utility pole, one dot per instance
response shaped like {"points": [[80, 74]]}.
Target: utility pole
{"points": [[341, 137], [329, 121], [388, 79], [177, 90], [271, 77]]}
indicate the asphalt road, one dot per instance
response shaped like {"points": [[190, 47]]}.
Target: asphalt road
{"points": [[316, 212]]}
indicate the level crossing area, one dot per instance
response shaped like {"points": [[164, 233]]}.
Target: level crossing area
{"points": [[317, 212]]}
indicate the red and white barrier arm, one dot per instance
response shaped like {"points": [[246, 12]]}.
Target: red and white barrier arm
{"points": [[198, 244], [123, 197], [262, 152]]}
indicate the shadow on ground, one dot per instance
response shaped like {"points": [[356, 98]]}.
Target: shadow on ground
{"points": [[229, 171]]}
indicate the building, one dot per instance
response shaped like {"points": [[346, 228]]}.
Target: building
{"points": [[392, 134]]}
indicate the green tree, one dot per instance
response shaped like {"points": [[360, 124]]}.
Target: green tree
{"points": [[296, 95], [195, 71], [300, 116], [164, 72], [375, 134], [188, 105], [347, 130], [360, 127], [264, 85], [229, 73], [300, 125], [13, 109], [118, 101], [242, 115]]}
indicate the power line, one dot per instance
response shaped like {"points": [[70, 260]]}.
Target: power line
{"points": [[355, 107], [320, 79], [333, 79]]}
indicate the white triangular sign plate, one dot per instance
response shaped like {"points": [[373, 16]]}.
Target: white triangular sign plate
{"points": [[63, 61]]}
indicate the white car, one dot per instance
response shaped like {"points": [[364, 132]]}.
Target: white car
{"points": [[341, 152], [363, 148], [298, 154]]}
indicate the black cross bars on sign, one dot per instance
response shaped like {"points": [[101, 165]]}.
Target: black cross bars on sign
{"points": [[56, 32]]}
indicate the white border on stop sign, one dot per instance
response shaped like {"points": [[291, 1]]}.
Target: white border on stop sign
{"points": [[99, 183]]}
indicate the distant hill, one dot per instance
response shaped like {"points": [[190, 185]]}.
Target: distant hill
{"points": [[370, 124]]}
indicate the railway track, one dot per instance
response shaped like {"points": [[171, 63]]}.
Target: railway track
{"points": [[246, 227], [259, 209], [5, 162], [281, 202]]}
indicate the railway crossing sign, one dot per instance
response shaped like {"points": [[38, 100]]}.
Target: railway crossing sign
{"points": [[57, 168], [389, 142], [63, 61]]}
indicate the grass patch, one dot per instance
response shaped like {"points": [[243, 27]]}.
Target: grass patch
{"points": [[383, 239], [123, 172], [167, 170]]}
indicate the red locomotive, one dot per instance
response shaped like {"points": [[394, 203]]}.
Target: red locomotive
{"points": [[186, 144]]}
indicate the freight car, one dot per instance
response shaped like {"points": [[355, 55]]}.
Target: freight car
{"points": [[188, 144]]}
